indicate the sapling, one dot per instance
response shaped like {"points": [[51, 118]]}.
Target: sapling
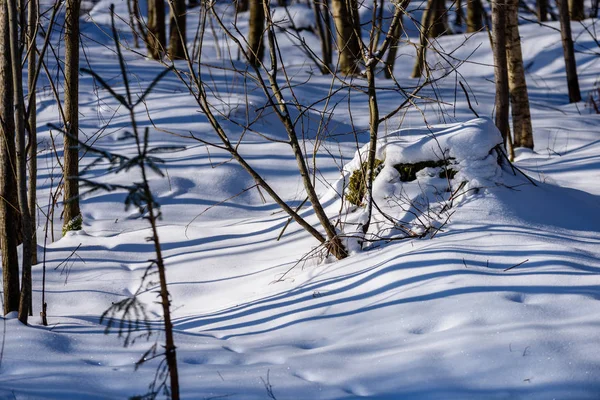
{"points": [[129, 316]]}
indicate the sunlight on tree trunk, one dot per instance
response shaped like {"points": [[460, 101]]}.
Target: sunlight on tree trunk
{"points": [[177, 29], [500, 68], [156, 39], [569, 53], [519, 99], [345, 14]]}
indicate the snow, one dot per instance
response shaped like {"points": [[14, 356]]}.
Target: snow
{"points": [[501, 303]]}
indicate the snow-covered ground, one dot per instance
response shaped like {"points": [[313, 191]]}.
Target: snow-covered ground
{"points": [[502, 303]]}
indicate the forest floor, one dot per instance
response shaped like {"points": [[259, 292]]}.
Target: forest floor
{"points": [[502, 303]]}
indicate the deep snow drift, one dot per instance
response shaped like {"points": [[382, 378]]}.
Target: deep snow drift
{"points": [[501, 302]]}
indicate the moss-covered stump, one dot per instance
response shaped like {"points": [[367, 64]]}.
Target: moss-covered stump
{"points": [[357, 186], [408, 171]]}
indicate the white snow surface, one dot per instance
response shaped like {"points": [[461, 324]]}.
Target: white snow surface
{"points": [[501, 303]]}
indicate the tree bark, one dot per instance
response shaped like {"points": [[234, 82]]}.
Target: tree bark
{"points": [[156, 39], [542, 10], [500, 68], [320, 8], [426, 24], [72, 214], [347, 26], [474, 16], [569, 54], [21, 156], [576, 10], [256, 46], [177, 26], [519, 99], [242, 5], [32, 123], [393, 50], [8, 183], [439, 24]]}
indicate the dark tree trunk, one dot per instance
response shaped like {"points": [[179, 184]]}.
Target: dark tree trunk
{"points": [[256, 47], [242, 5], [542, 10], [8, 180], [21, 160], [459, 13], [474, 16], [156, 39], [177, 35], [439, 24], [323, 24], [569, 54], [576, 10]]}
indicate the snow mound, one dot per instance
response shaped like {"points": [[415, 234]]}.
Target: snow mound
{"points": [[422, 173]]}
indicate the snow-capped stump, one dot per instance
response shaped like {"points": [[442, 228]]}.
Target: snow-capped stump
{"points": [[420, 173]]}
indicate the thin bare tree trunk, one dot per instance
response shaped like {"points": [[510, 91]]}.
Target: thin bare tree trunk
{"points": [[519, 99], [426, 24], [72, 214], [393, 50], [177, 26], [32, 122], [500, 67], [156, 39], [324, 31], [256, 47], [569, 54], [21, 160], [344, 17], [9, 208], [474, 16], [32, 131]]}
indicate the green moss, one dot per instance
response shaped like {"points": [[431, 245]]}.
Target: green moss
{"points": [[357, 186], [451, 173], [73, 225], [408, 171]]}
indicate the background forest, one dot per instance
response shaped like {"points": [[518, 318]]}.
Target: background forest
{"points": [[299, 199]]}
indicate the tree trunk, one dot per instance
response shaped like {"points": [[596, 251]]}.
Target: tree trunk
{"points": [[393, 50], [242, 5], [177, 35], [324, 31], [72, 214], [426, 24], [500, 68], [439, 25], [347, 27], [576, 10], [156, 39], [569, 54], [32, 123], [256, 46], [8, 182], [21, 154], [542, 10], [459, 13], [474, 16], [519, 99]]}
